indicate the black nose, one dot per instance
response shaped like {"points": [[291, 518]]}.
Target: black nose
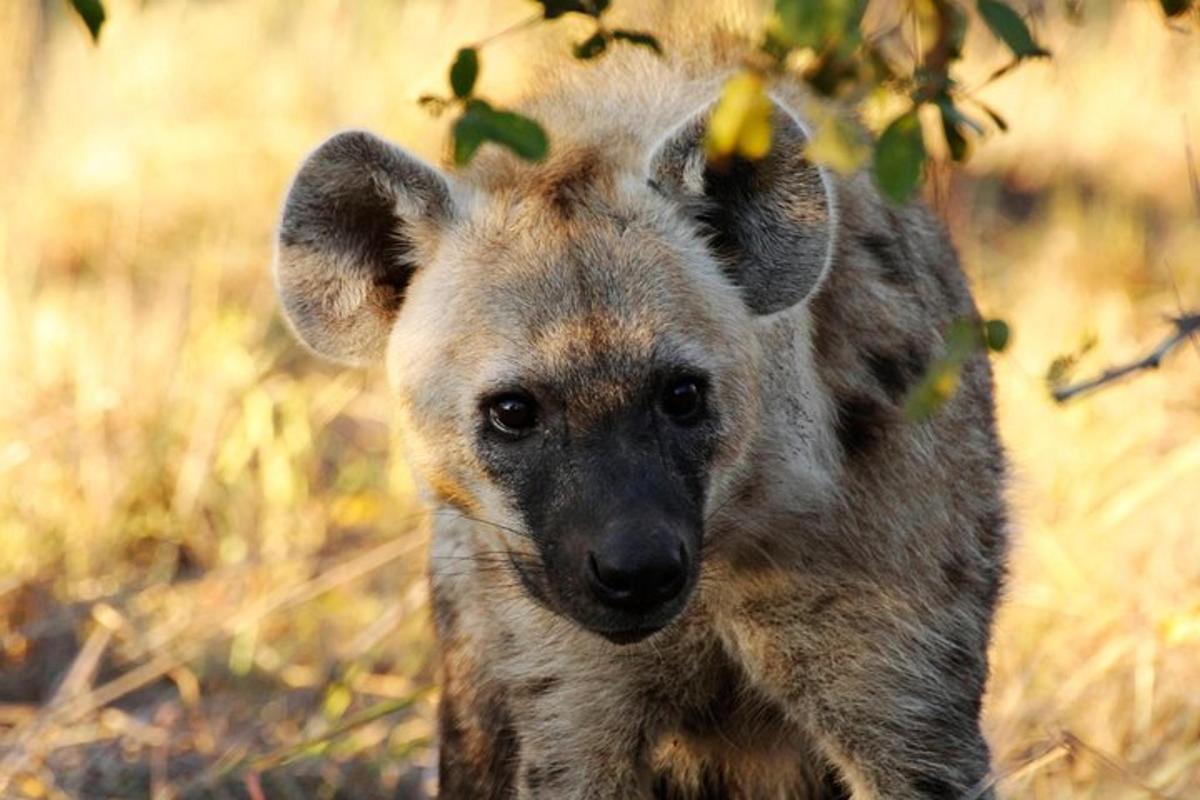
{"points": [[637, 576]]}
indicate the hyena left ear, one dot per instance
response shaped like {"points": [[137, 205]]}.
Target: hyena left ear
{"points": [[771, 221], [360, 218]]}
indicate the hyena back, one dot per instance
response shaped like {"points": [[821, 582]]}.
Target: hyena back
{"points": [[687, 545]]}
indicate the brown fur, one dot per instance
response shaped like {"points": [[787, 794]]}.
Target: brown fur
{"points": [[835, 644]]}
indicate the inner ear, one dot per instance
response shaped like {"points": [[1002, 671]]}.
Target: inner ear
{"points": [[360, 218], [770, 221]]}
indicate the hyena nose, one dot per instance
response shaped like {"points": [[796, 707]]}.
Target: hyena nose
{"points": [[637, 579]]}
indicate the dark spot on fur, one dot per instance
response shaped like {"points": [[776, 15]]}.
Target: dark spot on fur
{"points": [[964, 670], [540, 686], [935, 788], [713, 786], [991, 533], [445, 615], [822, 603], [543, 777], [889, 255], [567, 187], [832, 787], [956, 575], [862, 422], [895, 372], [748, 492], [477, 752], [710, 785]]}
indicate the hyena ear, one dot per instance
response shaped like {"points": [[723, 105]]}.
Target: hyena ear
{"points": [[358, 221], [771, 222]]}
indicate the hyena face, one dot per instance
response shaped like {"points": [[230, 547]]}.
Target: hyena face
{"points": [[574, 346]]}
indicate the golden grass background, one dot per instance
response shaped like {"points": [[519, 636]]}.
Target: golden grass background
{"points": [[210, 533]]}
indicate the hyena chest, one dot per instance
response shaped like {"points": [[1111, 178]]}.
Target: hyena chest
{"points": [[731, 741]]}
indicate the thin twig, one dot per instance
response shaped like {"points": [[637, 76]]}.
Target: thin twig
{"points": [[1077, 745], [1193, 178], [1185, 327], [511, 29]]}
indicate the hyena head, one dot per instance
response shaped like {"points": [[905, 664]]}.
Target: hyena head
{"points": [[573, 344]]}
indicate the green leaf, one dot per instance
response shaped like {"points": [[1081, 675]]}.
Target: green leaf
{"points": [[464, 71], [900, 157], [520, 134], [956, 143], [92, 14], [1009, 28], [818, 24], [470, 131], [1175, 8], [638, 38], [591, 47], [1000, 122], [964, 338], [481, 123], [953, 121], [934, 390], [553, 9], [996, 335]]}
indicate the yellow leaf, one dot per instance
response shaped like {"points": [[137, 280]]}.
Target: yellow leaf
{"points": [[32, 787], [741, 122], [945, 384], [337, 700], [349, 511], [1181, 626]]}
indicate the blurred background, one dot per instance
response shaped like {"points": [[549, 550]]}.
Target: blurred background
{"points": [[210, 555]]}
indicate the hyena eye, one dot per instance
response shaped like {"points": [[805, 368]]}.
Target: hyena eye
{"points": [[683, 399], [513, 414]]}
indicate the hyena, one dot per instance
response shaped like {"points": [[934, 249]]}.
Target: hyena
{"points": [[685, 543]]}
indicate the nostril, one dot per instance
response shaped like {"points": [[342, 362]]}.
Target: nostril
{"points": [[674, 574], [612, 582]]}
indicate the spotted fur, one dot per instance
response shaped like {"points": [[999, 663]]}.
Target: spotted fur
{"points": [[832, 642]]}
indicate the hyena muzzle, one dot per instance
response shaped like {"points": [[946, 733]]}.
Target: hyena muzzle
{"points": [[686, 544]]}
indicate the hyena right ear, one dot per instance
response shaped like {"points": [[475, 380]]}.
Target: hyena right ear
{"points": [[771, 222], [359, 219]]}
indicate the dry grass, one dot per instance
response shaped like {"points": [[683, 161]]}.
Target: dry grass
{"points": [[211, 531]]}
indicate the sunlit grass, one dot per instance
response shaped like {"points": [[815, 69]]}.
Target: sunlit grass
{"points": [[194, 511]]}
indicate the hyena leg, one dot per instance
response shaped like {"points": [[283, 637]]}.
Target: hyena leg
{"points": [[477, 742], [892, 698], [555, 719], [582, 737], [906, 745], [474, 759]]}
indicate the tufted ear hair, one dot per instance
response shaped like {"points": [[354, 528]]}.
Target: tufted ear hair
{"points": [[358, 220], [771, 222]]}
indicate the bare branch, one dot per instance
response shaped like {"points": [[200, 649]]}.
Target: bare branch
{"points": [[1185, 326]]}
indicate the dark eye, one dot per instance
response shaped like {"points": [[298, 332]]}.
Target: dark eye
{"points": [[512, 414], [683, 399]]}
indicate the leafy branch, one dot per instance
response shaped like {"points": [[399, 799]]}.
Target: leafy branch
{"points": [[480, 121], [1184, 327], [845, 66]]}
